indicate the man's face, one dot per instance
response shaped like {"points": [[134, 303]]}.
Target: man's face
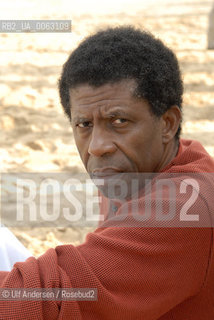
{"points": [[114, 131]]}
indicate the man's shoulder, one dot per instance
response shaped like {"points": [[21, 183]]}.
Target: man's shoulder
{"points": [[191, 157]]}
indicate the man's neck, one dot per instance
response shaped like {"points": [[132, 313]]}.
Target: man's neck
{"points": [[170, 152]]}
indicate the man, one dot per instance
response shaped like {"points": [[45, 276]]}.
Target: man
{"points": [[122, 90]]}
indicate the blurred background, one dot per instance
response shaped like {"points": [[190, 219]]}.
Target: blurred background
{"points": [[36, 136]]}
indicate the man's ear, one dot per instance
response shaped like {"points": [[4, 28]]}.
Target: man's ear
{"points": [[171, 120]]}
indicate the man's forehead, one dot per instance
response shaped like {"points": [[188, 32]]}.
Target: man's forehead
{"points": [[85, 92], [107, 101]]}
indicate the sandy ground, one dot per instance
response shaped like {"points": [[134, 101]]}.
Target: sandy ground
{"points": [[36, 136]]}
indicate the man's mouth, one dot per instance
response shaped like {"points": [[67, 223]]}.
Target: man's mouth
{"points": [[104, 173]]}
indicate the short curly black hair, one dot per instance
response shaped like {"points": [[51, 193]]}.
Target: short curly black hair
{"points": [[121, 53]]}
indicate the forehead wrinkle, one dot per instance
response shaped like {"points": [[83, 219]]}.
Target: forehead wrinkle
{"points": [[93, 93], [89, 100], [113, 110], [104, 105], [88, 96]]}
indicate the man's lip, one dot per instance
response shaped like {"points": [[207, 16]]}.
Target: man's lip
{"points": [[105, 172]]}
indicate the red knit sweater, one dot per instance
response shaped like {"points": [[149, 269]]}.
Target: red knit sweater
{"points": [[140, 273]]}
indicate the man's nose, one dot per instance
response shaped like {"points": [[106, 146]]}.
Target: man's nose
{"points": [[101, 143]]}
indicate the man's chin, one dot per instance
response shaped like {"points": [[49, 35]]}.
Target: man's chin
{"points": [[118, 186]]}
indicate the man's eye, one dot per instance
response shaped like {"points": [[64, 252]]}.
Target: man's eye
{"points": [[84, 124], [120, 121]]}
